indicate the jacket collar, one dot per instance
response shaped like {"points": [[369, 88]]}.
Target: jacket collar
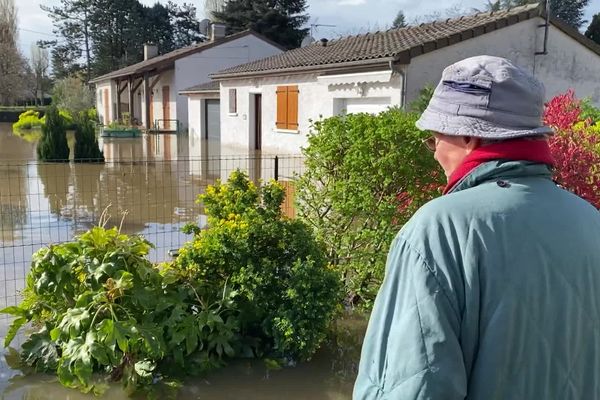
{"points": [[502, 169]]}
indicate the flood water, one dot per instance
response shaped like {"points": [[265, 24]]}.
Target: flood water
{"points": [[148, 185]]}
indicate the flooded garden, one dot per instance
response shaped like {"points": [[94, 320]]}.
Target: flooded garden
{"points": [[149, 185]]}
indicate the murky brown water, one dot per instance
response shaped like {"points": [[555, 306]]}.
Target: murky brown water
{"points": [[149, 185], [154, 180]]}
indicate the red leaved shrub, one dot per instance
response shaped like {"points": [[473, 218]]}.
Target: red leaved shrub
{"points": [[574, 148]]}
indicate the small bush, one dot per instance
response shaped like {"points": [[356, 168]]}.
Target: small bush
{"points": [[99, 305], [28, 120], [365, 176], [420, 103], [286, 294], [53, 144], [576, 145], [86, 144]]}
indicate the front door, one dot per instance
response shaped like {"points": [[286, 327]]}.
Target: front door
{"points": [[166, 106], [257, 121], [212, 119]]}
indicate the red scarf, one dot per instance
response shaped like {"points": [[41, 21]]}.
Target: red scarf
{"points": [[514, 150]]}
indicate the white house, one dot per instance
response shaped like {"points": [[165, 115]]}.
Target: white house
{"points": [[268, 104], [149, 90]]}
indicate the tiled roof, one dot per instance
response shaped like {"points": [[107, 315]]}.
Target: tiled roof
{"points": [[165, 59], [212, 86], [398, 45]]}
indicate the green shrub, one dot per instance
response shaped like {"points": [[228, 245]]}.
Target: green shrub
{"points": [[589, 111], [28, 120], [98, 305], [422, 101], [254, 284], [86, 143], [53, 144], [67, 118], [286, 294], [365, 175]]}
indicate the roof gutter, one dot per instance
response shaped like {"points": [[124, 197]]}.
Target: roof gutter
{"points": [[189, 92], [337, 67]]}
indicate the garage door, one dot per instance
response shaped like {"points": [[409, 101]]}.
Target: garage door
{"points": [[372, 105], [213, 119]]}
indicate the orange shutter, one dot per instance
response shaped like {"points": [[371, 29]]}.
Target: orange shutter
{"points": [[282, 107], [292, 108]]}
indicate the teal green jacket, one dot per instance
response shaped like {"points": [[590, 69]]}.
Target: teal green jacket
{"points": [[491, 292]]}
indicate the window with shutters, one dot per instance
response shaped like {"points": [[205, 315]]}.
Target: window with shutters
{"points": [[287, 107], [232, 101]]}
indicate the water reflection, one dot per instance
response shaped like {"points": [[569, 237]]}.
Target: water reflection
{"points": [[154, 180]]}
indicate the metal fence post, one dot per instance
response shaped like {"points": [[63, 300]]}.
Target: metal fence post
{"points": [[276, 173]]}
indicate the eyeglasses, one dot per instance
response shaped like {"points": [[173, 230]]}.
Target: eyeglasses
{"points": [[430, 143]]}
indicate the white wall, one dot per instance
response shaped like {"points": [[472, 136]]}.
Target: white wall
{"points": [[316, 100], [194, 117], [167, 78], [196, 68], [515, 42], [196, 126], [568, 64], [100, 108]]}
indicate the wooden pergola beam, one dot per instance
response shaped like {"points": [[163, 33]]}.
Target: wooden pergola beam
{"points": [[137, 85], [121, 89], [155, 81]]}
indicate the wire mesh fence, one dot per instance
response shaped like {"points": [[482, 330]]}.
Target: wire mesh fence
{"points": [[44, 203]]}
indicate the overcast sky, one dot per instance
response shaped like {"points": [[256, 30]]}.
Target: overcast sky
{"points": [[348, 16]]}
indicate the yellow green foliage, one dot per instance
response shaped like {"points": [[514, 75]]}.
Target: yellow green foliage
{"points": [[28, 120]]}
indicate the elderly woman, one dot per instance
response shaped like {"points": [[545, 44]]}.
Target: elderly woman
{"points": [[492, 291]]}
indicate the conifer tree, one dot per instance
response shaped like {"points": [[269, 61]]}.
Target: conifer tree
{"points": [[53, 144], [279, 20]]}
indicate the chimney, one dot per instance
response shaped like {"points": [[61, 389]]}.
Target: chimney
{"points": [[150, 50], [217, 31]]}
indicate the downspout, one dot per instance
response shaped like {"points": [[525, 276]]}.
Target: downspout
{"points": [[403, 89], [546, 27]]}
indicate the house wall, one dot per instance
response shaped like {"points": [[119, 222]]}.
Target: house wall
{"points": [[196, 127], [167, 78], [136, 112], [516, 42], [316, 100], [100, 88], [196, 68], [568, 64]]}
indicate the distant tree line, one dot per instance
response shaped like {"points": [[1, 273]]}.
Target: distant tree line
{"points": [[99, 36], [569, 11], [13, 66]]}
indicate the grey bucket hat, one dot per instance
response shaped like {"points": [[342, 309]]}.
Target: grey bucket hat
{"points": [[486, 97]]}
